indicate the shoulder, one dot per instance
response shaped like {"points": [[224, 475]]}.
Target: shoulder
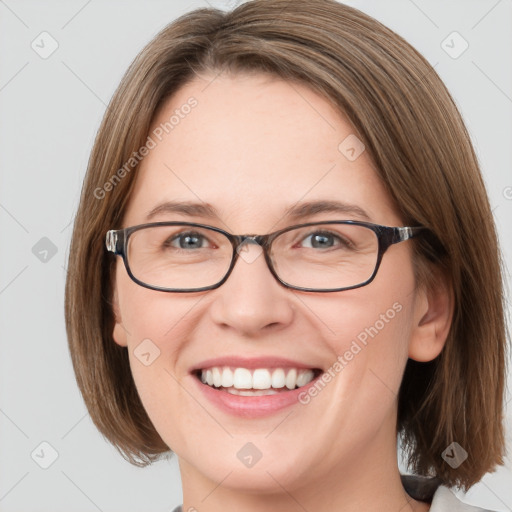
{"points": [[445, 500], [431, 490]]}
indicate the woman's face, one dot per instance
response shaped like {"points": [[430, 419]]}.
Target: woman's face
{"points": [[251, 148]]}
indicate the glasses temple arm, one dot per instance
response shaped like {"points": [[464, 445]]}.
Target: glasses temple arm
{"points": [[405, 232], [111, 241]]}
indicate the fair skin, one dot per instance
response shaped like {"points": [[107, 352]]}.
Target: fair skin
{"points": [[252, 147]]}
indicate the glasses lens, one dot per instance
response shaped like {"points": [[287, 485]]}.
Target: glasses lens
{"points": [[326, 256], [179, 256]]}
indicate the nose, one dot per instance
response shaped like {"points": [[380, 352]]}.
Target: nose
{"points": [[251, 299]]}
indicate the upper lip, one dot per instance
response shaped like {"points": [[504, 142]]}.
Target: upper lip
{"points": [[252, 362]]}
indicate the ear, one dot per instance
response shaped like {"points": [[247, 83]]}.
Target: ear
{"points": [[119, 333], [433, 313]]}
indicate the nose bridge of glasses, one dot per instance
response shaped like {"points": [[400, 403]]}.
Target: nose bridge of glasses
{"points": [[244, 251], [254, 239], [244, 240]]}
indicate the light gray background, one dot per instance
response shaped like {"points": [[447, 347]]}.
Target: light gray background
{"points": [[50, 111]]}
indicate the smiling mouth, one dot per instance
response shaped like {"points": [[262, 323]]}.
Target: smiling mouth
{"points": [[256, 382]]}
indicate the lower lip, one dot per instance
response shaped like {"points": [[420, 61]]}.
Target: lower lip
{"points": [[253, 406]]}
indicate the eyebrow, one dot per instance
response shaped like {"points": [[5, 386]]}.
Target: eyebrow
{"points": [[293, 213]]}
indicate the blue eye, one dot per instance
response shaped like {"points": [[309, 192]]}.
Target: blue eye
{"points": [[188, 240], [324, 239]]}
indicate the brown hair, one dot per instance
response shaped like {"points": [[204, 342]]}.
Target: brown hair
{"points": [[419, 145]]}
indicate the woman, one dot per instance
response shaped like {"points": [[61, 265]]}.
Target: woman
{"points": [[364, 300]]}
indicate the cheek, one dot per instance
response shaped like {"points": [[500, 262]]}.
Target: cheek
{"points": [[153, 315], [370, 351], [158, 326], [374, 325], [368, 330], [153, 363]]}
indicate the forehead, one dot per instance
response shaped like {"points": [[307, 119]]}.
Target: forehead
{"points": [[252, 146]]}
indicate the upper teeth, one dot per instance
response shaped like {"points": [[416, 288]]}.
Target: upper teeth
{"points": [[261, 378]]}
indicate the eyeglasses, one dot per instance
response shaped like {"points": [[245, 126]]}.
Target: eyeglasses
{"points": [[315, 257]]}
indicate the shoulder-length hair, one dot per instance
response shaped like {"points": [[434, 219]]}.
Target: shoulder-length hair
{"points": [[419, 145]]}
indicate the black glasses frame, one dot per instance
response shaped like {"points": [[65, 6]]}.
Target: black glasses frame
{"points": [[116, 242]]}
